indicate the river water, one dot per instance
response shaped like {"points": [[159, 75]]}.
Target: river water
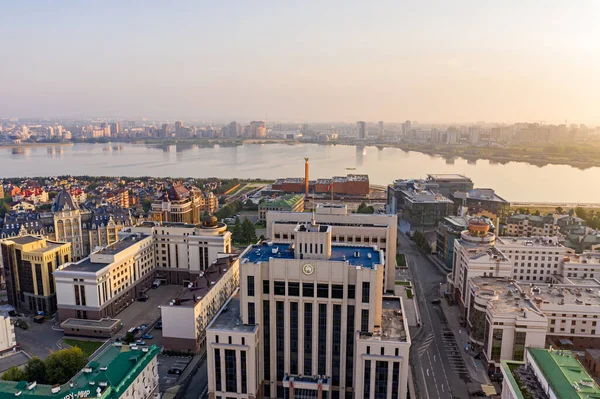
{"points": [[514, 181]]}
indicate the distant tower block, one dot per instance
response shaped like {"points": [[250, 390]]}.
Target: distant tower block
{"points": [[306, 177]]}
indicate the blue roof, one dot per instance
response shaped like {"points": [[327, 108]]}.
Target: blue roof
{"points": [[340, 253]]}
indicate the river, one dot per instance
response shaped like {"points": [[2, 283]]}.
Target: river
{"points": [[514, 181]]}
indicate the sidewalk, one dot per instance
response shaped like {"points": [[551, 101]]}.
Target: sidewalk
{"points": [[477, 368]]}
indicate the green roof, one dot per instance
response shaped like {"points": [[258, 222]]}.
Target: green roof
{"points": [[508, 372], [286, 201], [122, 365], [563, 372]]}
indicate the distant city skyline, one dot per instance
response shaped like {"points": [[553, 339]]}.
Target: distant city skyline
{"points": [[435, 63]]}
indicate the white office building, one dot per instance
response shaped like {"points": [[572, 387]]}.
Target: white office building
{"points": [[310, 321]]}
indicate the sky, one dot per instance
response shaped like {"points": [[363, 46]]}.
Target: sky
{"points": [[306, 61]]}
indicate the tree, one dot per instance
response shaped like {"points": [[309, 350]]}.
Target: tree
{"points": [[237, 234], [36, 370], [146, 205], [14, 374], [129, 337], [581, 212], [248, 231], [363, 208], [559, 210], [62, 365]]}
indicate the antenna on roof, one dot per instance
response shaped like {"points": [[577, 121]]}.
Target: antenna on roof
{"points": [[313, 221]]}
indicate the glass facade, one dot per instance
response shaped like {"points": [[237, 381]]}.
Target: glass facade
{"points": [[230, 371], [381, 379], [337, 345], [266, 340], [367, 380], [349, 345], [496, 344], [395, 380], [308, 290], [244, 372], [279, 337], [322, 346], [308, 327], [477, 322], [218, 370], [294, 337], [519, 348]]}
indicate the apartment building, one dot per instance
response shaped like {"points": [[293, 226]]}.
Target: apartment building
{"points": [[187, 316], [182, 251], [531, 226], [545, 374], [310, 320], [347, 228], [182, 205], [106, 282], [533, 259], [28, 263], [118, 372], [585, 265], [504, 316], [482, 199]]}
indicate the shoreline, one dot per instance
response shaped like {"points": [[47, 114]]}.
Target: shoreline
{"points": [[448, 154]]}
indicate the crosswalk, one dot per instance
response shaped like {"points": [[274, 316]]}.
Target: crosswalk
{"points": [[453, 353], [425, 345]]}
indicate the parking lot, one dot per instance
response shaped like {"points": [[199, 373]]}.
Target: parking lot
{"points": [[148, 312], [39, 339], [166, 363]]}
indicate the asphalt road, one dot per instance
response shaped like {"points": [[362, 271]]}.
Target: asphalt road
{"points": [[198, 386], [438, 366]]}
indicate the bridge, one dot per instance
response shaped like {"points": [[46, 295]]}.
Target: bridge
{"points": [[557, 204]]}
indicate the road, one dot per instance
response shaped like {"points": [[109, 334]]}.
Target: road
{"points": [[438, 366], [198, 386]]}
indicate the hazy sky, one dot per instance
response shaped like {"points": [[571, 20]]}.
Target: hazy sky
{"points": [[435, 61]]}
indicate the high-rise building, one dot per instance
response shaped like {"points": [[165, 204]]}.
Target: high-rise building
{"points": [[180, 131], [406, 126], [234, 130], [380, 128], [165, 131], [28, 263], [310, 320], [361, 127], [258, 129], [115, 128]]}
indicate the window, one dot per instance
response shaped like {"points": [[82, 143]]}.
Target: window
{"points": [[395, 380], [336, 343], [294, 289], [250, 286], [267, 340], [308, 290], [381, 379], [266, 287], [364, 320], [230, 371], [251, 313], [308, 315], [367, 380], [351, 291], [366, 291], [218, 369], [244, 371], [323, 292], [279, 287], [322, 341], [496, 344], [279, 336], [337, 291], [293, 323], [519, 348]]}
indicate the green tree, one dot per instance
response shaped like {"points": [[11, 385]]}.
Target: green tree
{"points": [[14, 374], [537, 212], [35, 370], [364, 208], [62, 365], [248, 231], [559, 210], [146, 205], [129, 337], [52, 195], [581, 212], [236, 233]]}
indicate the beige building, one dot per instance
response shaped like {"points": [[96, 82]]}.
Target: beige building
{"points": [[347, 229], [182, 205], [310, 320], [531, 226], [28, 263], [182, 251], [186, 317], [7, 334], [107, 281]]}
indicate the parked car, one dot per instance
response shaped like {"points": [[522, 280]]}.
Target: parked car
{"points": [[174, 371], [147, 336], [158, 325], [436, 301], [143, 326], [140, 342]]}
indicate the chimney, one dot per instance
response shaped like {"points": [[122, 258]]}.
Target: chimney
{"points": [[306, 177]]}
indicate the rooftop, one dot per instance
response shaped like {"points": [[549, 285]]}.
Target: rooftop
{"points": [[392, 322], [505, 295], [286, 201], [482, 194], [112, 371], [566, 376], [102, 323], [449, 176], [425, 196], [123, 244], [354, 255], [229, 317], [528, 241], [22, 240], [196, 290]]}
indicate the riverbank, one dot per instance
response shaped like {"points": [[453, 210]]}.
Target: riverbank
{"points": [[28, 145]]}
